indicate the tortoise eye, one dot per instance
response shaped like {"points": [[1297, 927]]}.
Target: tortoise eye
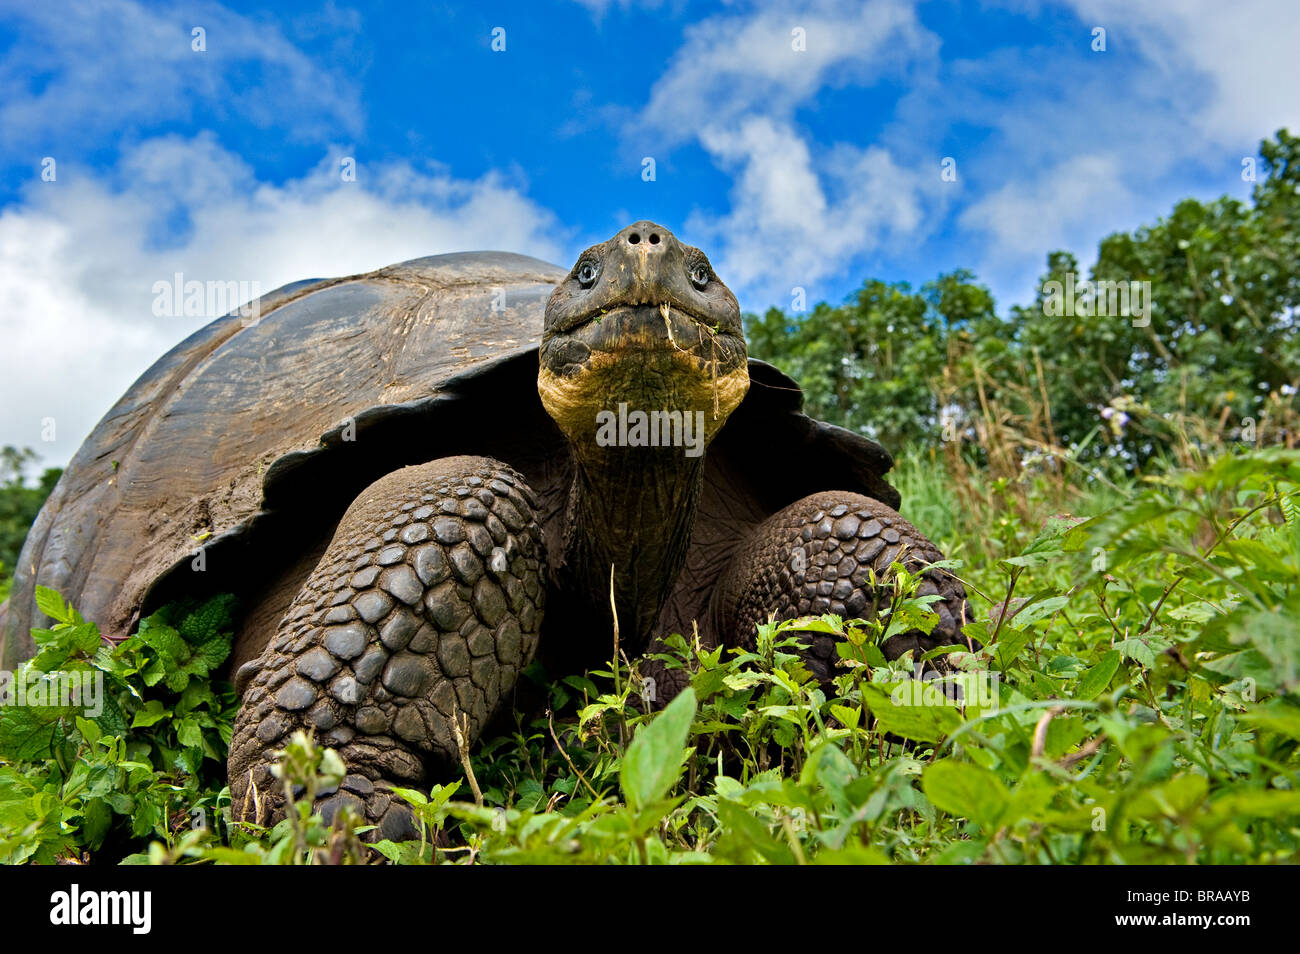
{"points": [[700, 275], [587, 274]]}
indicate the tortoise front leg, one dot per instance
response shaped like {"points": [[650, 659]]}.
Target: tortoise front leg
{"points": [[815, 557], [425, 606]]}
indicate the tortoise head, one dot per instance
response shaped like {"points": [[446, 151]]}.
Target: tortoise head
{"points": [[642, 345]]}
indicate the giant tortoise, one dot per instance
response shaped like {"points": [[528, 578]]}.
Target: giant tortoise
{"points": [[419, 478]]}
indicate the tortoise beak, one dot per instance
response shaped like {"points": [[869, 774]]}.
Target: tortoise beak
{"points": [[646, 265]]}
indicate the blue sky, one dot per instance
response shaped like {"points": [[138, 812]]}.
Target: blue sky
{"points": [[814, 168]]}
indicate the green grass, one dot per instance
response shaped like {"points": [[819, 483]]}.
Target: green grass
{"points": [[1136, 702], [929, 501]]}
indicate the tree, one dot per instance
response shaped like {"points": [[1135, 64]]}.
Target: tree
{"points": [[19, 502]]}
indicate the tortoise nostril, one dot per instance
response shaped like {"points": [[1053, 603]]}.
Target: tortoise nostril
{"points": [[633, 238], [654, 238]]}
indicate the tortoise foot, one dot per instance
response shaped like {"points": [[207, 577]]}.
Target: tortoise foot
{"points": [[817, 556], [417, 620]]}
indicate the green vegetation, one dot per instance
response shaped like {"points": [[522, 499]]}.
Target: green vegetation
{"points": [[19, 504], [1137, 700], [145, 752]]}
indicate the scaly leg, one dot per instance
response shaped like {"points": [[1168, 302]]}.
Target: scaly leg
{"points": [[814, 557], [426, 605]]}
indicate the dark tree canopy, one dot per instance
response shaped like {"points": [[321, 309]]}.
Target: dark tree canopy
{"points": [[20, 500]]}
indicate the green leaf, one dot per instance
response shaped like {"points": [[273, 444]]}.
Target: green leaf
{"points": [[835, 773], [1178, 797], [851, 855], [1011, 643], [112, 720], [847, 717], [53, 605], [1094, 682], [966, 790], [653, 762], [1274, 635], [1260, 804], [152, 713], [910, 616], [962, 852], [911, 709], [1277, 715], [743, 833], [1137, 650], [90, 731], [1247, 664], [164, 640], [189, 733], [31, 733], [52, 657], [1038, 609], [210, 621], [97, 817], [404, 853]]}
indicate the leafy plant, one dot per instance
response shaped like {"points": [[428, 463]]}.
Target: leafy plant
{"points": [[140, 754]]}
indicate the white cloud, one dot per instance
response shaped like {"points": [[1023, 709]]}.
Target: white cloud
{"points": [[1247, 50], [1105, 141], [79, 256], [732, 66], [1070, 205], [90, 69], [798, 211], [793, 220], [1048, 157], [1050, 210]]}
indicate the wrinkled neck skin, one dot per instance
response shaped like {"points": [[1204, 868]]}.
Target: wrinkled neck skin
{"points": [[632, 508]]}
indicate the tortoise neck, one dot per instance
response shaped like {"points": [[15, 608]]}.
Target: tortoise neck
{"points": [[633, 509]]}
